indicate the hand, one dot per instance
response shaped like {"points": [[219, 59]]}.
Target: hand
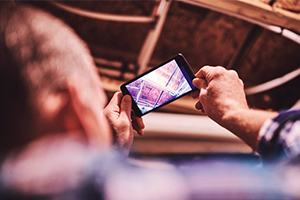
{"points": [[221, 91], [122, 120]]}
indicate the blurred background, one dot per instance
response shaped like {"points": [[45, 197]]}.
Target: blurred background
{"points": [[257, 38]]}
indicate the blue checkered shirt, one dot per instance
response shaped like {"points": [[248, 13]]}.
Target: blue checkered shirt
{"points": [[279, 138]]}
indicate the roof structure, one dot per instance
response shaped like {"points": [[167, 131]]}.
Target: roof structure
{"points": [[257, 38]]}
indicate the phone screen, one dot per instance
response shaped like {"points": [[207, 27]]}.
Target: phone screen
{"points": [[160, 86]]}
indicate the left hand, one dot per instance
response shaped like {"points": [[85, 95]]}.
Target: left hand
{"points": [[221, 92], [118, 113]]}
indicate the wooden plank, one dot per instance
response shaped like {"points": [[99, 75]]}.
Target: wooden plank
{"points": [[155, 146], [254, 10]]}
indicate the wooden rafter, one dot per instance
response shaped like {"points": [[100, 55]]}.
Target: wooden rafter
{"points": [[255, 10]]}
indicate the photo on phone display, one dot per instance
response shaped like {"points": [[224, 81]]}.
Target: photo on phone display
{"points": [[159, 86]]}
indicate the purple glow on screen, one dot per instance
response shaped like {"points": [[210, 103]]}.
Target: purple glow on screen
{"points": [[158, 87]]}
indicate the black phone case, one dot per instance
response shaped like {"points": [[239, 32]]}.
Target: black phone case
{"points": [[181, 61]]}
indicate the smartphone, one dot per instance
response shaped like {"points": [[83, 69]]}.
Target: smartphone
{"points": [[160, 85]]}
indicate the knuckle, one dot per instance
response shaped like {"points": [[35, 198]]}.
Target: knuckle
{"points": [[241, 82], [219, 70], [233, 72], [235, 75]]}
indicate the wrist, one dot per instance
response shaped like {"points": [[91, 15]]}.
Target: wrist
{"points": [[233, 118], [246, 123]]}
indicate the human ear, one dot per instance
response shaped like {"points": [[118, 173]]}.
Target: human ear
{"points": [[90, 115], [56, 114], [52, 104]]}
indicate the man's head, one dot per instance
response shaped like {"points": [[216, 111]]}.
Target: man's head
{"points": [[48, 81]]}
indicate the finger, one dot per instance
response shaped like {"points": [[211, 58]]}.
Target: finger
{"points": [[116, 99], [138, 124], [195, 94], [199, 83], [198, 105], [112, 109], [138, 130], [196, 83], [138, 120], [126, 107], [202, 73]]}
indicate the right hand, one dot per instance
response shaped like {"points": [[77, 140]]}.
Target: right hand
{"points": [[220, 92], [122, 120]]}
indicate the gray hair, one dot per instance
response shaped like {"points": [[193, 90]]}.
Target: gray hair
{"points": [[38, 54]]}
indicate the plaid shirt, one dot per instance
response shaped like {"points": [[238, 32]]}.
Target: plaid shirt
{"points": [[279, 138]]}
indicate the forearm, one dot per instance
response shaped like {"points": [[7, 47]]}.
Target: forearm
{"points": [[246, 123]]}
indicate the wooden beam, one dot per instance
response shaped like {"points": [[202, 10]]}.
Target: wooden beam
{"points": [[254, 10]]}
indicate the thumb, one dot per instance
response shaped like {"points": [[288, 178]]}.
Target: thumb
{"points": [[126, 106], [113, 107], [199, 83]]}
